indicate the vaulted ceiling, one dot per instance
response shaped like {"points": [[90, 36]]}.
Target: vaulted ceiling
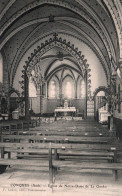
{"points": [[26, 24]]}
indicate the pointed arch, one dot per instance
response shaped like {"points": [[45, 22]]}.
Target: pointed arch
{"points": [[51, 43]]}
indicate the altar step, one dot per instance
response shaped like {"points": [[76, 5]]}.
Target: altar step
{"points": [[70, 118]]}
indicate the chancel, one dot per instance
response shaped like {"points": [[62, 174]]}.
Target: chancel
{"points": [[61, 91], [65, 110]]}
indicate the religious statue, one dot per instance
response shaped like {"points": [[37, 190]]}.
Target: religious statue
{"points": [[66, 103]]}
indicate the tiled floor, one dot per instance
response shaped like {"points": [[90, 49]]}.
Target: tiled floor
{"points": [[23, 182]]}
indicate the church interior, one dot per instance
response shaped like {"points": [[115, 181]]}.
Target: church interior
{"points": [[61, 95]]}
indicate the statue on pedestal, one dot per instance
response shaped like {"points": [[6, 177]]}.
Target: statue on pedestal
{"points": [[66, 103]]}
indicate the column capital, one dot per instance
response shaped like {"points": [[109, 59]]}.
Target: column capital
{"points": [[120, 62]]}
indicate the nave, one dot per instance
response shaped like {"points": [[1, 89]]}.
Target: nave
{"points": [[60, 97]]}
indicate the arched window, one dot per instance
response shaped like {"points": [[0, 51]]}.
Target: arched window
{"points": [[68, 90], [32, 89], [83, 91], [52, 89], [68, 87]]}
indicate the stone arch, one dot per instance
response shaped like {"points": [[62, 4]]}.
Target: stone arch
{"points": [[12, 90], [14, 101], [51, 43], [46, 46], [101, 88], [94, 47], [41, 50]]}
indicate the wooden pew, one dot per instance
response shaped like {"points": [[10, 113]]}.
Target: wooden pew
{"points": [[80, 128], [73, 164], [97, 150], [65, 133], [10, 127], [5, 128], [37, 120], [57, 138], [93, 130], [8, 157], [36, 148], [99, 143]]}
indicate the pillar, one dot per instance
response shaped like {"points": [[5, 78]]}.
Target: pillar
{"points": [[60, 93], [45, 89], [75, 89], [27, 116], [86, 88], [38, 99]]}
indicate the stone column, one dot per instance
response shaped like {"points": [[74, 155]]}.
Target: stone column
{"points": [[75, 90], [27, 116], [120, 65], [60, 93], [60, 89], [38, 100], [46, 90], [86, 88]]}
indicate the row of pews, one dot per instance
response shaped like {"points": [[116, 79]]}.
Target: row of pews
{"points": [[63, 148]]}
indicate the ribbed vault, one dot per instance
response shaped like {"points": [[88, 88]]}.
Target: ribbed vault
{"points": [[27, 29]]}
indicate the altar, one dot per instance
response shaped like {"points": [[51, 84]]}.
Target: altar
{"points": [[65, 111]]}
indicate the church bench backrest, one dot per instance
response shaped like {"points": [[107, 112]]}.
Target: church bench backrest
{"points": [[16, 147], [19, 149], [109, 147], [73, 163], [58, 138], [10, 127], [65, 132]]}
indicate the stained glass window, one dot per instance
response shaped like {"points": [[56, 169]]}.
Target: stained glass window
{"points": [[52, 89], [68, 90], [83, 92], [32, 89]]}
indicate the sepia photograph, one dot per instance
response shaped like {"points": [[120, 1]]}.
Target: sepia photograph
{"points": [[61, 97]]}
